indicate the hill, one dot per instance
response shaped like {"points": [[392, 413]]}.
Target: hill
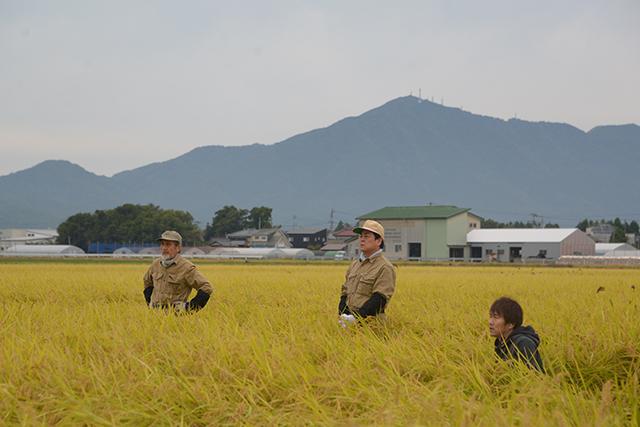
{"points": [[407, 151]]}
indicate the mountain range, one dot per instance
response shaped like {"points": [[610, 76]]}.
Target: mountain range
{"points": [[408, 151]]}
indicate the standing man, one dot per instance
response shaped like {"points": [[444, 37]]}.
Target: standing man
{"points": [[513, 341], [170, 279], [370, 280]]}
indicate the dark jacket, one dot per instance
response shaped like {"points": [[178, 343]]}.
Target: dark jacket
{"points": [[521, 344]]}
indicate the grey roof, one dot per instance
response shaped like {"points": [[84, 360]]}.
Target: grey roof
{"points": [[306, 230], [192, 250], [250, 232], [334, 246], [150, 250], [603, 248], [44, 249], [123, 250]]}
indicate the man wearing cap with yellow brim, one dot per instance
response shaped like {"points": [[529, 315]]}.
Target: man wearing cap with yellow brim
{"points": [[370, 280], [170, 279]]}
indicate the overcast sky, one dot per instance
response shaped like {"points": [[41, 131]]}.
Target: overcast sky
{"points": [[113, 85]]}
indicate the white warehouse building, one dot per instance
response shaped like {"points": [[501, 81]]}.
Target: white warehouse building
{"points": [[516, 244], [43, 250]]}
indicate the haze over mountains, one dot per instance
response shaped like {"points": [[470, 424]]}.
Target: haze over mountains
{"points": [[405, 152]]}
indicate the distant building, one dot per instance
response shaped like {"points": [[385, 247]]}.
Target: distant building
{"points": [[610, 249], [260, 253], [261, 238], [515, 244], [223, 242], [307, 237], [425, 232], [601, 233], [152, 250], [350, 247], [124, 251], [193, 251], [43, 250], [26, 236], [345, 233]]}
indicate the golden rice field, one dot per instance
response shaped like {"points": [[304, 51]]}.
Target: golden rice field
{"points": [[79, 347]]}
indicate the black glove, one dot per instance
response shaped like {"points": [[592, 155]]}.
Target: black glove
{"points": [[342, 306], [374, 306], [198, 302], [147, 294]]}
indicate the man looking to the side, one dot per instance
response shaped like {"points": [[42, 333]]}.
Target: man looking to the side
{"points": [[370, 280], [513, 341]]}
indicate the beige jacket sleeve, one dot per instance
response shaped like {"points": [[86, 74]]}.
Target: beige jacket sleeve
{"points": [[197, 281], [385, 283]]}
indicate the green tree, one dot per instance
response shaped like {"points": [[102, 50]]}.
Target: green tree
{"points": [[76, 230], [225, 221], [127, 223], [634, 228], [583, 225], [260, 217], [618, 236], [489, 223]]}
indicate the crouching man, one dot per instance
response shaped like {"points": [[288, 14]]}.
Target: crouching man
{"points": [[170, 279], [513, 341], [370, 280]]}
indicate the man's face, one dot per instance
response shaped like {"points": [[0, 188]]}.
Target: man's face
{"points": [[169, 248], [498, 327], [368, 242]]}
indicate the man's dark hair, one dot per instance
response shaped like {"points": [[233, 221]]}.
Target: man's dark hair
{"points": [[509, 309], [377, 236]]}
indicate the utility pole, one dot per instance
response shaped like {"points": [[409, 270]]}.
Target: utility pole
{"points": [[535, 222], [331, 221]]}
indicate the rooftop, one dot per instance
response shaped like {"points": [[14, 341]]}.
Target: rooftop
{"points": [[306, 230], [249, 232], [345, 232], [415, 212]]}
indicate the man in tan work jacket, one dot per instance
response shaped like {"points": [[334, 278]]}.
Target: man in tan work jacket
{"points": [[170, 279], [370, 280]]}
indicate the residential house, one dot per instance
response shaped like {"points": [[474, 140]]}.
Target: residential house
{"points": [[307, 238], [261, 238], [26, 236]]}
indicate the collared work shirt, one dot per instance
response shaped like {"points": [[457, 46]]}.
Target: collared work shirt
{"points": [[366, 277], [174, 283]]}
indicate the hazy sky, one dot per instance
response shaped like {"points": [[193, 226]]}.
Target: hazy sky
{"points": [[113, 85]]}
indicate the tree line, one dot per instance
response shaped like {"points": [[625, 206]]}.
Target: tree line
{"points": [[621, 229], [490, 223], [230, 219], [144, 223]]}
